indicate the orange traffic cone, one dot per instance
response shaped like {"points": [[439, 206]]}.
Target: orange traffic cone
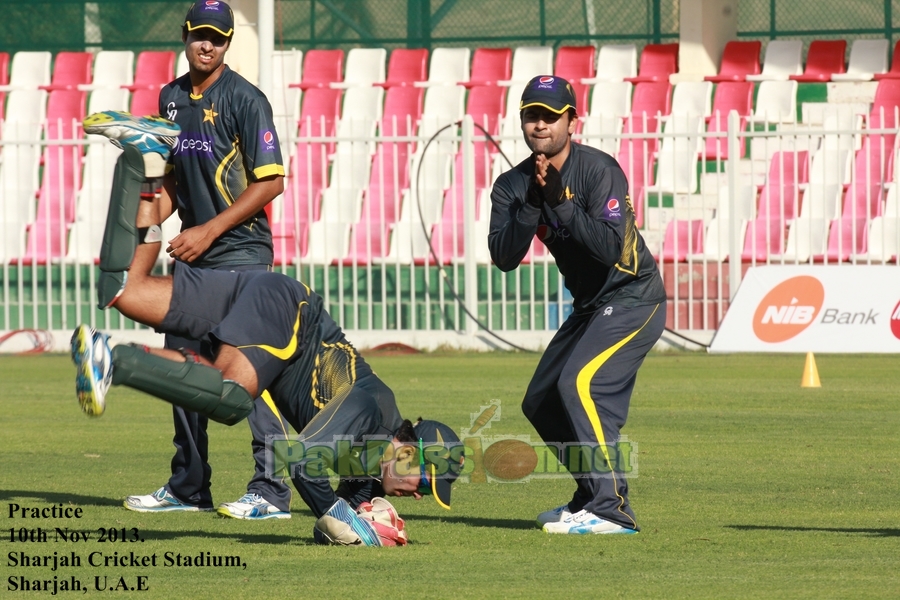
{"points": [[810, 373]]}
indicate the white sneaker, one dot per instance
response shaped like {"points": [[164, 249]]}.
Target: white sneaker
{"points": [[251, 506], [554, 515], [93, 359], [584, 522], [161, 501]]}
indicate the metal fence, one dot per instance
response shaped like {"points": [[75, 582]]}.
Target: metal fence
{"points": [[787, 193]]}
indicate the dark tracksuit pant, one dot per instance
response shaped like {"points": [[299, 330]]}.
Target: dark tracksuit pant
{"points": [[581, 390], [191, 472]]}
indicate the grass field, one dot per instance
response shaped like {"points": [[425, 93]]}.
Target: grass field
{"points": [[749, 486]]}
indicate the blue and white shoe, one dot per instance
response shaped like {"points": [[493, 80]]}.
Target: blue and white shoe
{"points": [[342, 513], [93, 359], [147, 134], [161, 501], [251, 506], [554, 515], [583, 522]]}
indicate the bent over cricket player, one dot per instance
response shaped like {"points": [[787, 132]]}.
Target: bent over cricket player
{"points": [[268, 332], [575, 199]]}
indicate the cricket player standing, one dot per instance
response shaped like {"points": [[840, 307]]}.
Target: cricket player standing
{"points": [[575, 199]]}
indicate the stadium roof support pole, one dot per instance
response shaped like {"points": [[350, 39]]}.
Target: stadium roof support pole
{"points": [[734, 225], [470, 272], [266, 31]]}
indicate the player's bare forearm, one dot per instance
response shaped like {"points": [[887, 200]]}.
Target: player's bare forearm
{"points": [[191, 243]]}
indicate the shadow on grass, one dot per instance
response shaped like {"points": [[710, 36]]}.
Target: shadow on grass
{"points": [[59, 497], [860, 530], [243, 538], [480, 522]]}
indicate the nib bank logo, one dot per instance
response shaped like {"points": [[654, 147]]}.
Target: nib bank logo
{"points": [[788, 309], [895, 321]]}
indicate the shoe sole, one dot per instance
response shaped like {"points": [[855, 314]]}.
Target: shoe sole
{"points": [[84, 380], [570, 532], [97, 123], [167, 509], [223, 512]]}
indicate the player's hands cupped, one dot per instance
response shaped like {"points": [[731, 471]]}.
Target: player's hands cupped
{"points": [[190, 244]]}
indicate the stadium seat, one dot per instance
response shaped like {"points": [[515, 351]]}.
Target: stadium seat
{"points": [[658, 61], [776, 102], [782, 59], [25, 112], [308, 173], [887, 98], [676, 164], [389, 177], [868, 58], [182, 67], [683, 237], [528, 62], [321, 68], [144, 101], [92, 200], [350, 169], [365, 67], [406, 66], [692, 97], [716, 235], [739, 59], [575, 63], [894, 71], [28, 71], [70, 69], [610, 104], [808, 233], [729, 95], [615, 62], [489, 65], [4, 80], [862, 200], [112, 69], [765, 234], [824, 58], [286, 69], [154, 69], [61, 178], [4, 68], [448, 66], [883, 237]]}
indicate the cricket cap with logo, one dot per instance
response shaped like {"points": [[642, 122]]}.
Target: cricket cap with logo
{"points": [[443, 456], [213, 14], [553, 93]]}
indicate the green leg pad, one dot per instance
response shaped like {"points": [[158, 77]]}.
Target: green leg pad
{"points": [[190, 385], [110, 286], [120, 238]]}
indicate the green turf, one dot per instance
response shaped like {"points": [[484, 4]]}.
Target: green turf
{"points": [[749, 486]]}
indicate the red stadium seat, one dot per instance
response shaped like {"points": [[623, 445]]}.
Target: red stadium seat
{"points": [[894, 72], [155, 68], [825, 57], [658, 61], [320, 68], [489, 65], [70, 70], [682, 237], [739, 59], [406, 66], [308, 174], [777, 204], [574, 63], [729, 95], [61, 178]]}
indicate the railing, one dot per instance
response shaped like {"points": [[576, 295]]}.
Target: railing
{"points": [[362, 240]]}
